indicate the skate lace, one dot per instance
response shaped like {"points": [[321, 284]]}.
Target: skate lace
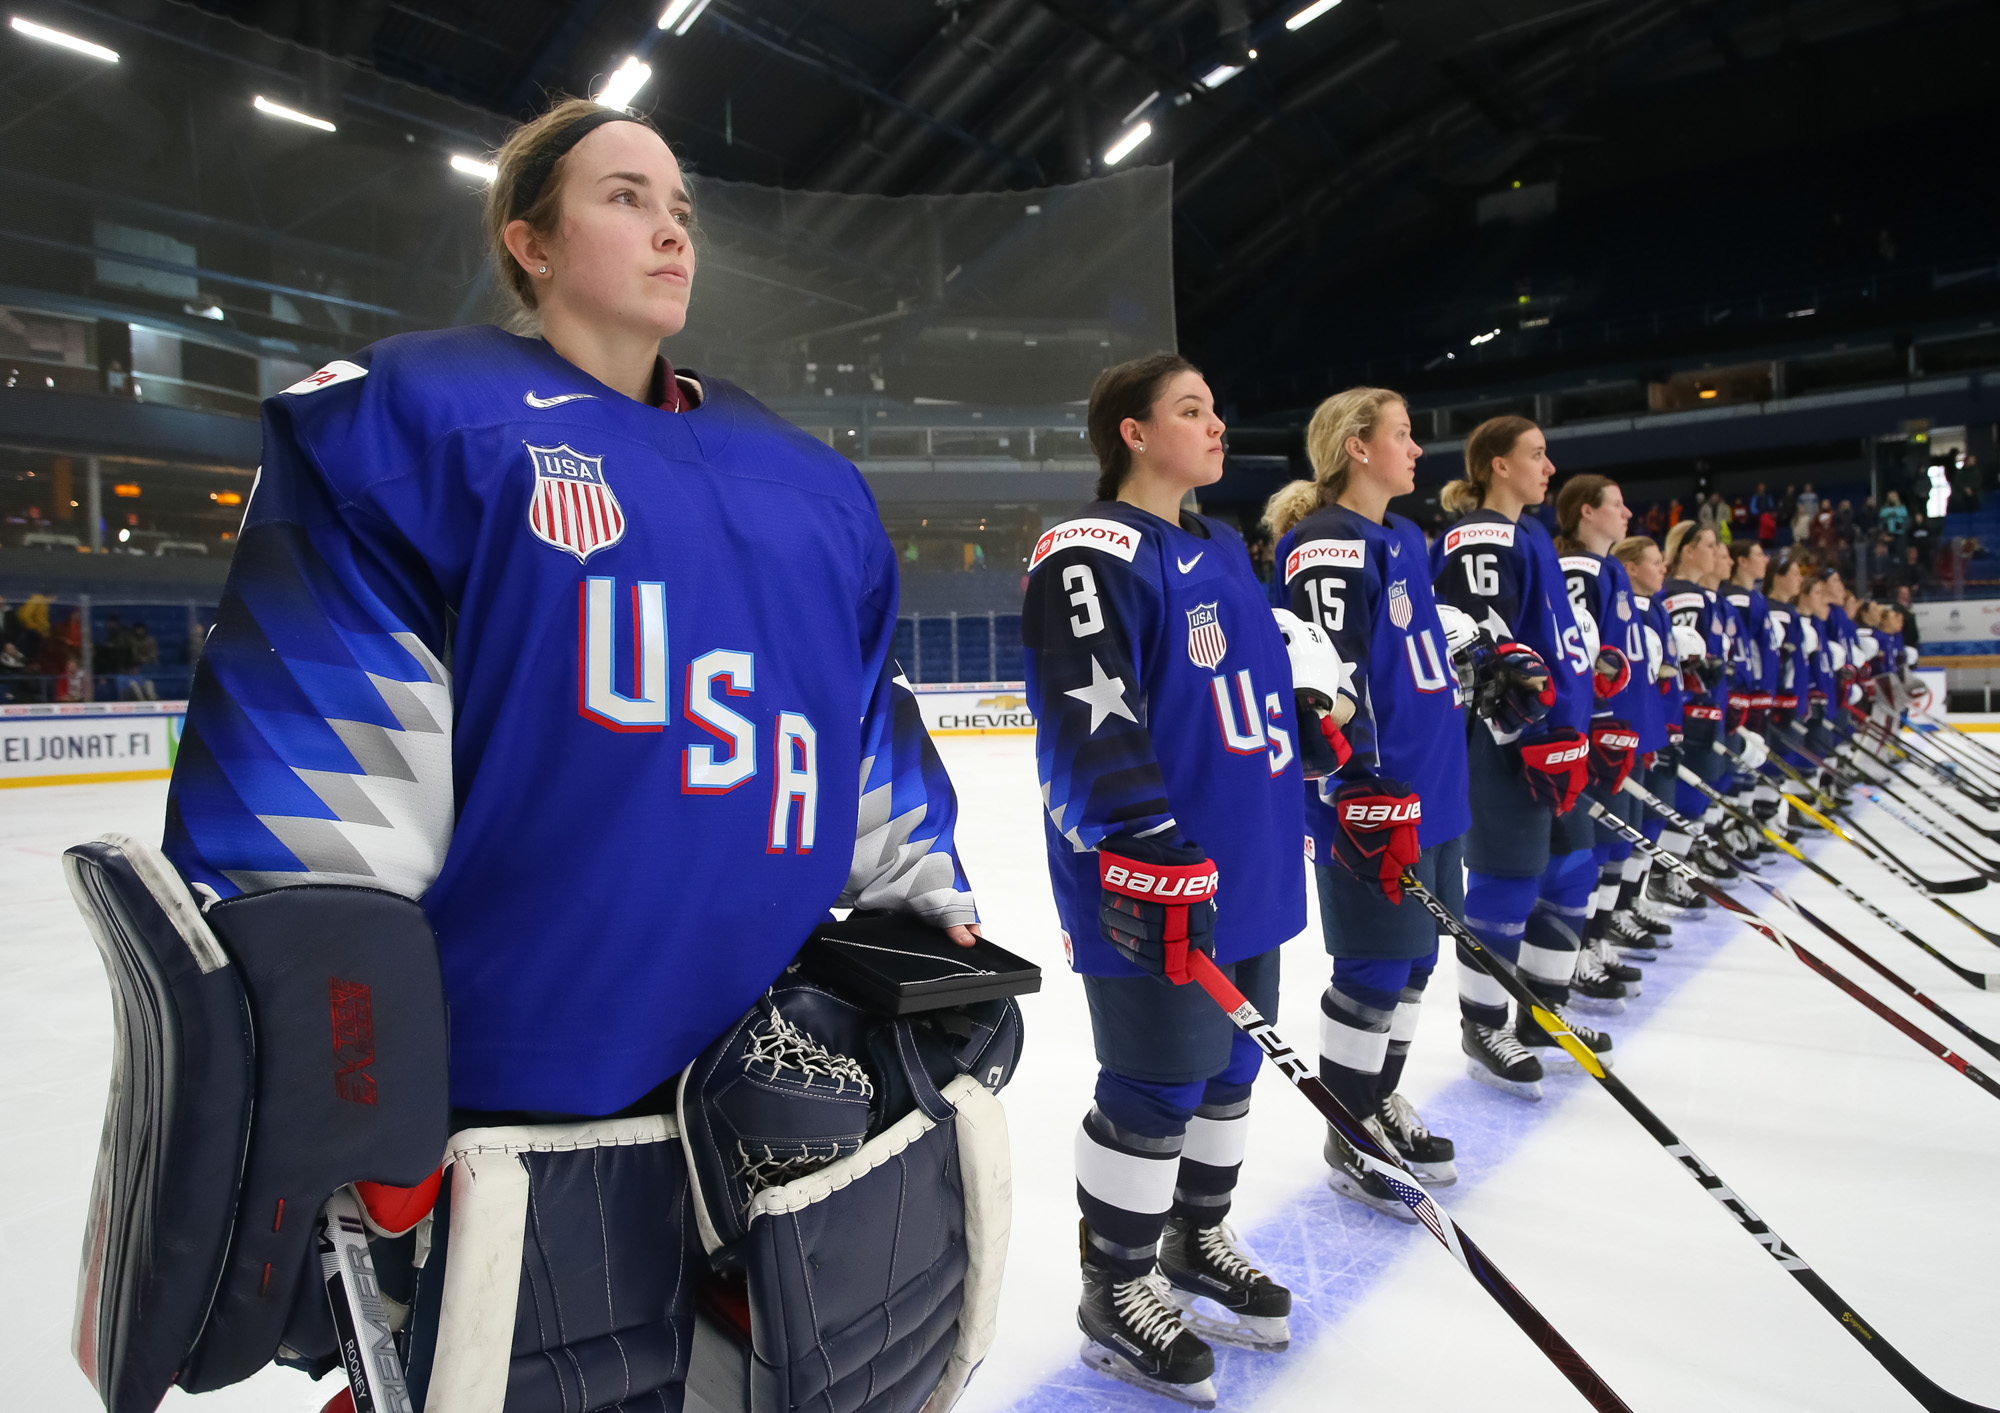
{"points": [[1588, 967], [1401, 1115], [1577, 1028], [1147, 1310], [1504, 1046], [1218, 1247], [1628, 929]]}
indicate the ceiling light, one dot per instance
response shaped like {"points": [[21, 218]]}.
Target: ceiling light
{"points": [[204, 311], [1487, 337], [66, 41], [624, 84], [1122, 148], [680, 15], [1137, 108], [1310, 13], [473, 167], [1220, 74], [290, 115]]}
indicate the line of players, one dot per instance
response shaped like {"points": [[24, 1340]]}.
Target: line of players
{"points": [[1483, 683]]}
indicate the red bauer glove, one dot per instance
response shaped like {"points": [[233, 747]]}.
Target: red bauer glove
{"points": [[1378, 831], [1613, 747], [1158, 901], [1556, 767]]}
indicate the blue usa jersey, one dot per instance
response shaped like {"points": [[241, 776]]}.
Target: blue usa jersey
{"points": [[1659, 705], [1789, 636], [1757, 647], [607, 688], [1163, 707], [1505, 575], [1368, 587], [1600, 596]]}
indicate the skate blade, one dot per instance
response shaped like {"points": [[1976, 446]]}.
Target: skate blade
{"points": [[1529, 1089], [1200, 1394], [1345, 1186], [1602, 1005], [1268, 1334], [1634, 954], [1435, 1174], [1556, 1052]]}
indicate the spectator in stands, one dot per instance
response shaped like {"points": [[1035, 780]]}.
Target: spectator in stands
{"points": [[1674, 513], [1806, 508], [73, 686], [1907, 573], [1867, 517], [1911, 636], [1739, 516], [1965, 487], [1822, 532], [1705, 513], [1923, 539], [145, 653], [1881, 557], [1767, 527], [1788, 508], [1656, 520], [1763, 502], [1843, 525], [1895, 517], [13, 672]]}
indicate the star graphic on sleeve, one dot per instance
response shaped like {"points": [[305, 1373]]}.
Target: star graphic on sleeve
{"points": [[1105, 695]]}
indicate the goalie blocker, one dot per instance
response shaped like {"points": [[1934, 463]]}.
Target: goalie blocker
{"points": [[280, 1047]]}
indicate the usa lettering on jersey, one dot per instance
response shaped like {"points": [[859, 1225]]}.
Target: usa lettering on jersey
{"points": [[1325, 554], [1479, 534], [1107, 535]]}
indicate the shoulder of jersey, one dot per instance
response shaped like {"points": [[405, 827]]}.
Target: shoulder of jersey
{"points": [[1582, 563], [1101, 531], [1481, 527], [1330, 538]]}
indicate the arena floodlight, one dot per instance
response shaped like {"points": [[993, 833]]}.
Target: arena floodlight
{"points": [[624, 84], [473, 167], [1123, 148], [290, 115], [1310, 13], [65, 41], [680, 15], [1220, 74]]}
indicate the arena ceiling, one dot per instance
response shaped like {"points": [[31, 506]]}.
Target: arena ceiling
{"points": [[1372, 123]]}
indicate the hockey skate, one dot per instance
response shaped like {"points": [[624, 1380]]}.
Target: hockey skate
{"points": [[1711, 862], [1208, 1273], [1494, 1057], [1424, 1153], [1536, 1040], [1670, 893], [1346, 1175], [1592, 988], [1132, 1331], [1653, 918], [1618, 970], [1631, 939]]}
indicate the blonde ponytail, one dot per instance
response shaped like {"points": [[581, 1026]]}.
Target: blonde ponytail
{"points": [[1357, 412]]}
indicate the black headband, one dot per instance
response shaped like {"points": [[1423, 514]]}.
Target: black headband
{"points": [[535, 175]]}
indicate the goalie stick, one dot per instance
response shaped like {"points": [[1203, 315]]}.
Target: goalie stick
{"points": [[1895, 867], [360, 1320], [1899, 1368], [1694, 880], [1985, 981], [1384, 1163], [1677, 820]]}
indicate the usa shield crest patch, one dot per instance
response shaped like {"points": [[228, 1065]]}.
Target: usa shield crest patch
{"points": [[1399, 603], [1206, 645], [572, 506]]}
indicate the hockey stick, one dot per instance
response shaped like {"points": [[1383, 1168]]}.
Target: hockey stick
{"points": [[1384, 1163], [1987, 868], [1679, 821], [1895, 867], [1947, 771], [1659, 807], [1875, 846], [1915, 783], [1983, 980], [1969, 737], [1694, 880], [1913, 1380], [361, 1322], [1923, 804]]}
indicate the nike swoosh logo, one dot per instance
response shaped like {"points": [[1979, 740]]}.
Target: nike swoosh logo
{"points": [[1395, 550], [556, 401], [1187, 564]]}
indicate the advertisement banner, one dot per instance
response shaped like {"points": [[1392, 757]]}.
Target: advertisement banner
{"points": [[88, 742], [1960, 628], [976, 709]]}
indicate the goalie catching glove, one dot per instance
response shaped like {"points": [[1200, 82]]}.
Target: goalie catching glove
{"points": [[1377, 839], [1556, 768], [1613, 747], [1323, 698], [1158, 903]]}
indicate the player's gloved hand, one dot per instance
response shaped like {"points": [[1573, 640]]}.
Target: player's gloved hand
{"points": [[1610, 672], [1377, 839], [1784, 706], [1675, 734], [1513, 688], [1614, 746], [1556, 768], [1759, 713], [1158, 903], [1751, 748], [1323, 697], [1739, 711]]}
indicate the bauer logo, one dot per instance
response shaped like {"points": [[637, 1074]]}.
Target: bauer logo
{"points": [[571, 506], [1480, 534], [1325, 554], [1375, 816], [1206, 645], [352, 1006], [1106, 535]]}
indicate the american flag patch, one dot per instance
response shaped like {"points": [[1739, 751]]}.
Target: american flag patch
{"points": [[1399, 603], [572, 507], [1206, 645]]}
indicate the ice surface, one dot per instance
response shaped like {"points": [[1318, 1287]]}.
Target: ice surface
{"points": [[1874, 1160]]}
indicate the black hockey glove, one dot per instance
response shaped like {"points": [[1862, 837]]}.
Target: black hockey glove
{"points": [[1158, 903], [1378, 831], [1514, 690], [1613, 748]]}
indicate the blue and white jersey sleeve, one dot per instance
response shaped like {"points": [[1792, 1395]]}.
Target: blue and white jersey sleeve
{"points": [[318, 743]]}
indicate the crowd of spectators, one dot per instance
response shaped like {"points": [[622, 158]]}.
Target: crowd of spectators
{"points": [[42, 657]]}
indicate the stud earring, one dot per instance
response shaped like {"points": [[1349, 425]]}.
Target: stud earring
{"points": [[544, 269], [1364, 461]]}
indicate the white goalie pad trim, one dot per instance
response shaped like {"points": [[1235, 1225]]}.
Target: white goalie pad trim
{"points": [[985, 1159], [482, 1276], [164, 882]]}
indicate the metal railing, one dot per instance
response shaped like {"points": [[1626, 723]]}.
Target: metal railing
{"points": [[960, 647]]}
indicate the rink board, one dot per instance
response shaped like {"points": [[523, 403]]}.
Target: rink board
{"points": [[976, 709], [84, 743]]}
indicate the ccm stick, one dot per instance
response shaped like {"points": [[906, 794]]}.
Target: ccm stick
{"points": [[1913, 1379], [1895, 979], [1386, 1165], [1983, 980], [1694, 880]]}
